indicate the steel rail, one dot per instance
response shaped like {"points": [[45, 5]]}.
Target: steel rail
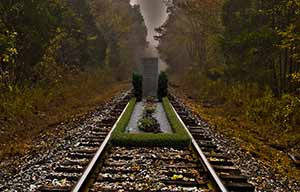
{"points": [[82, 181], [204, 160]]}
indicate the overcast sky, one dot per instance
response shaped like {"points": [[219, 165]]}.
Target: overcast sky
{"points": [[154, 13]]}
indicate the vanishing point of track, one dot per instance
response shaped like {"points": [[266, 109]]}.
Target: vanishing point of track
{"points": [[96, 166]]}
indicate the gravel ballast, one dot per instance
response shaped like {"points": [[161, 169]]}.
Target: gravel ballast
{"points": [[260, 175], [29, 172]]}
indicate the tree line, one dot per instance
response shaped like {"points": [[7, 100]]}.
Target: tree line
{"points": [[43, 41], [263, 37], [57, 50], [251, 41], [241, 54]]}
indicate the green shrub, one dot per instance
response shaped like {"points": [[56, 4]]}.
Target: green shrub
{"points": [[162, 90], [149, 124], [280, 112], [178, 139], [20, 103], [121, 126], [150, 140], [176, 125], [137, 86], [260, 107], [287, 113]]}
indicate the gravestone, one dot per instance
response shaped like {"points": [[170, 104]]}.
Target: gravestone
{"points": [[150, 76]]}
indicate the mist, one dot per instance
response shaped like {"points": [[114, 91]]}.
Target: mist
{"points": [[155, 14]]}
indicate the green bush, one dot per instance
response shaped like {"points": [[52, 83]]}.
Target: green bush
{"points": [[162, 90], [287, 113], [149, 124], [121, 126], [137, 86], [176, 125], [280, 112], [259, 108], [150, 140], [178, 139], [21, 103]]}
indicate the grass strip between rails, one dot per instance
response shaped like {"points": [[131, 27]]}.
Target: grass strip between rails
{"points": [[178, 139]]}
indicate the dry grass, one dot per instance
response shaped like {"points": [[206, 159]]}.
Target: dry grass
{"points": [[251, 136], [68, 101]]}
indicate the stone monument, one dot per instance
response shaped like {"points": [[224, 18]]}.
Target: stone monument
{"points": [[150, 76]]}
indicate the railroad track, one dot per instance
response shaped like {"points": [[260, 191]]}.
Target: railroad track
{"points": [[230, 176], [96, 166], [68, 171]]}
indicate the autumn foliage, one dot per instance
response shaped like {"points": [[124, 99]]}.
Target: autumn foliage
{"points": [[55, 54], [239, 59]]}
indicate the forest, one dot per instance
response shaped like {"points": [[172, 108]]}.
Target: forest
{"points": [[241, 61], [236, 63], [54, 52]]}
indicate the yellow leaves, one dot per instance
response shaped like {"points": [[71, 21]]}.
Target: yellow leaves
{"points": [[5, 58], [92, 38], [58, 30], [113, 20], [7, 40], [295, 77], [136, 168], [13, 35], [291, 39], [293, 3], [10, 88], [8, 56], [177, 177], [290, 32], [13, 51]]}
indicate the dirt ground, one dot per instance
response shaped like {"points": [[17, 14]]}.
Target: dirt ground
{"points": [[247, 134], [16, 137]]}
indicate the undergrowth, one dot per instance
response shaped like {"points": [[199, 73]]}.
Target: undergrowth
{"points": [[267, 125], [26, 112], [257, 104]]}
